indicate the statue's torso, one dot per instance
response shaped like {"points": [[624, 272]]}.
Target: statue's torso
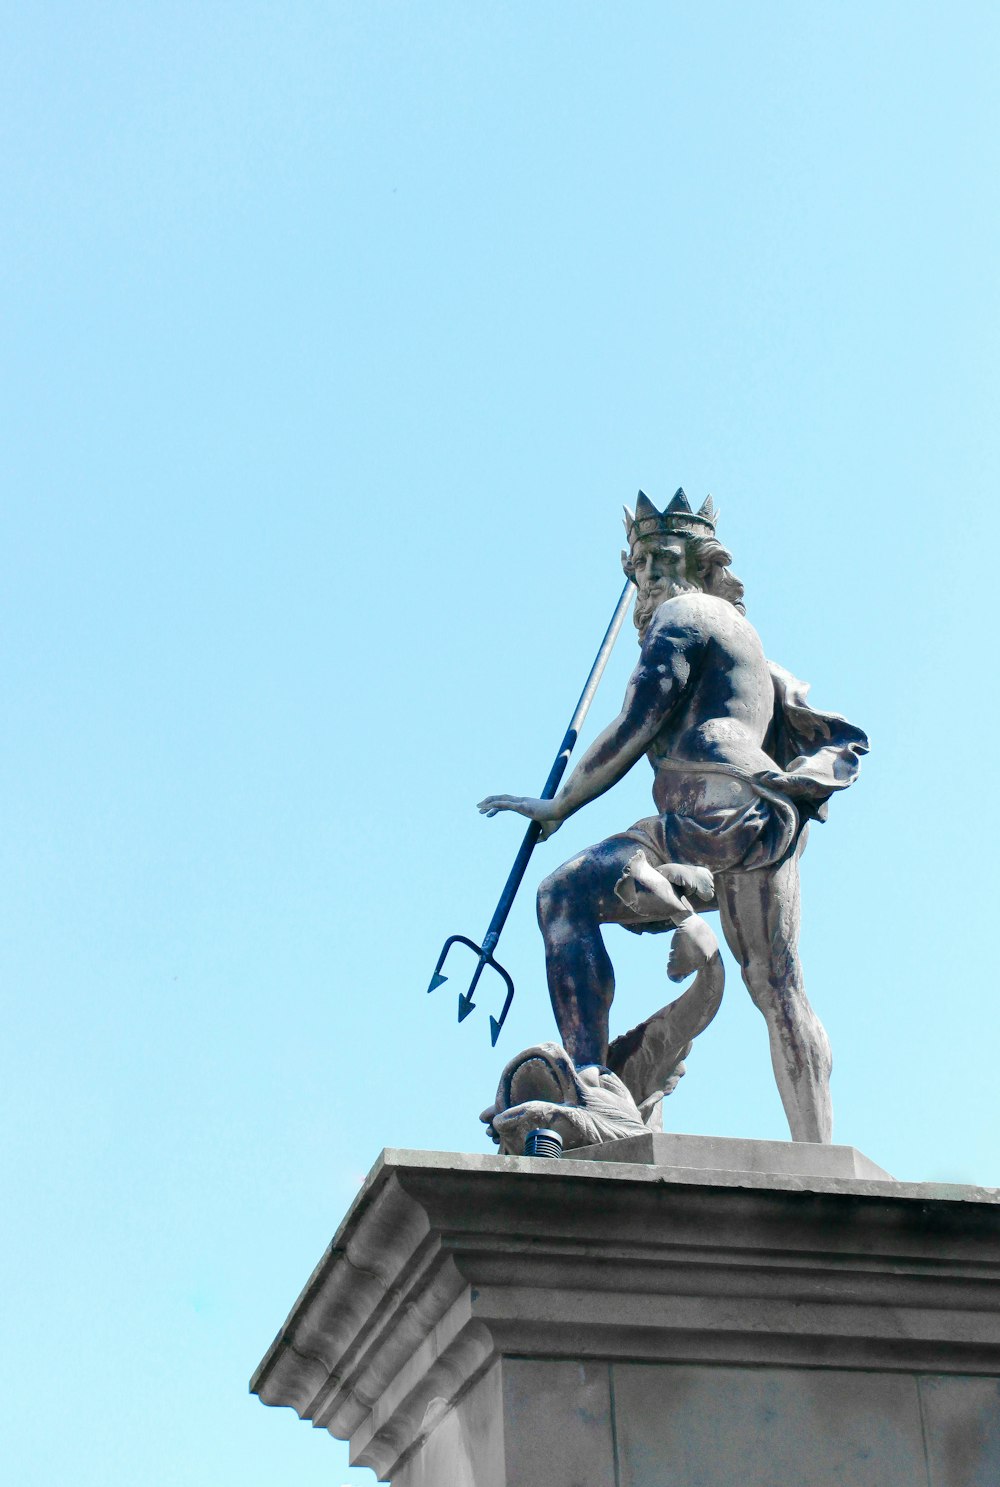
{"points": [[712, 738]]}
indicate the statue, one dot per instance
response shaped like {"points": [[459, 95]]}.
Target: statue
{"points": [[741, 765]]}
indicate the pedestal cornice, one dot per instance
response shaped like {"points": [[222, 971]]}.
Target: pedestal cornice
{"points": [[447, 1261]]}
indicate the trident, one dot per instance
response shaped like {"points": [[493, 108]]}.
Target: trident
{"points": [[531, 836]]}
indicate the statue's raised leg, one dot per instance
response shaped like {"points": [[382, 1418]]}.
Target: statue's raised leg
{"points": [[573, 903], [760, 918]]}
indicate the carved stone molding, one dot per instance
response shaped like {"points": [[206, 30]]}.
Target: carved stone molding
{"points": [[447, 1263]]}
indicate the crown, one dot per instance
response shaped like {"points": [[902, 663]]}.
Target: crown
{"points": [[676, 518]]}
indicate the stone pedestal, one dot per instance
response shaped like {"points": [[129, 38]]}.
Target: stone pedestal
{"points": [[666, 1316]]}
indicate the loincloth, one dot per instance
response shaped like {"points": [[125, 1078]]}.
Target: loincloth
{"points": [[758, 834]]}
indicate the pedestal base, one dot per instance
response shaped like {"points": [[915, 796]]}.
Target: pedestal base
{"points": [[514, 1322]]}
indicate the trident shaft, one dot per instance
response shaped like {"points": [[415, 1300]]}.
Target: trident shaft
{"points": [[530, 841]]}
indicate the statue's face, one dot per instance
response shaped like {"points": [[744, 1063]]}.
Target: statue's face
{"points": [[660, 565]]}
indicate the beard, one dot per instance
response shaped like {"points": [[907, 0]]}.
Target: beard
{"points": [[651, 595]]}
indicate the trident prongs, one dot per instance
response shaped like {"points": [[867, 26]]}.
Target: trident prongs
{"points": [[530, 840], [465, 1000]]}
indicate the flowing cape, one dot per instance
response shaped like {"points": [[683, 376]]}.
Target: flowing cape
{"points": [[817, 753]]}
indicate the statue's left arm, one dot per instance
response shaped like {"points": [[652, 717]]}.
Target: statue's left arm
{"points": [[654, 689]]}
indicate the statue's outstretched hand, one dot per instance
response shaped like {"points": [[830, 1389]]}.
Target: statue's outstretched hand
{"points": [[542, 811]]}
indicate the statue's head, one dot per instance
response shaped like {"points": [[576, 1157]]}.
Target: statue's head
{"points": [[673, 551]]}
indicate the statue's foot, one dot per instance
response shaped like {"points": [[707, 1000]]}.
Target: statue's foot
{"points": [[697, 880], [647, 892]]}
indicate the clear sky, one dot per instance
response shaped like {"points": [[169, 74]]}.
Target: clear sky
{"points": [[335, 336]]}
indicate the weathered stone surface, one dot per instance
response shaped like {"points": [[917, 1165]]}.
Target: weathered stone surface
{"points": [[733, 1154], [478, 1321], [961, 1418], [765, 1426], [465, 1448], [741, 764], [557, 1422], [543, 1089]]}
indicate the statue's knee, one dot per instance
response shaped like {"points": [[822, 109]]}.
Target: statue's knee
{"points": [[557, 893], [755, 977], [550, 896], [773, 979]]}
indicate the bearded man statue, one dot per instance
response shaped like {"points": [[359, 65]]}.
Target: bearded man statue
{"points": [[741, 765]]}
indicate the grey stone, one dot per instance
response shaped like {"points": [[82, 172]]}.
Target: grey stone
{"points": [[543, 1088], [477, 1322], [734, 1154], [463, 1441], [962, 1426], [741, 764], [716, 1427], [557, 1422]]}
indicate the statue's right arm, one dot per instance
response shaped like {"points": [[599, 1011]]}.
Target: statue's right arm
{"points": [[654, 689]]}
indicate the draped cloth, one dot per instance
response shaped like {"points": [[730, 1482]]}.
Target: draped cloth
{"points": [[815, 754], [818, 753]]}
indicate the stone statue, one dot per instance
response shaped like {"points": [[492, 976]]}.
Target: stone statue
{"points": [[741, 765]]}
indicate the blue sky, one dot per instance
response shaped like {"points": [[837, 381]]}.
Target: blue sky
{"points": [[335, 338]]}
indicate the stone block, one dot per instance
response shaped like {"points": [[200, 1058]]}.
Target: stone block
{"points": [[667, 1150], [962, 1426], [713, 1427], [557, 1423], [485, 1321], [464, 1446]]}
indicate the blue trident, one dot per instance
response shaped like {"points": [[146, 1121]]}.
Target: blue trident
{"points": [[466, 1004]]}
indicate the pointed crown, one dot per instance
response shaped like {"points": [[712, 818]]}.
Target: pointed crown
{"points": [[676, 518]]}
